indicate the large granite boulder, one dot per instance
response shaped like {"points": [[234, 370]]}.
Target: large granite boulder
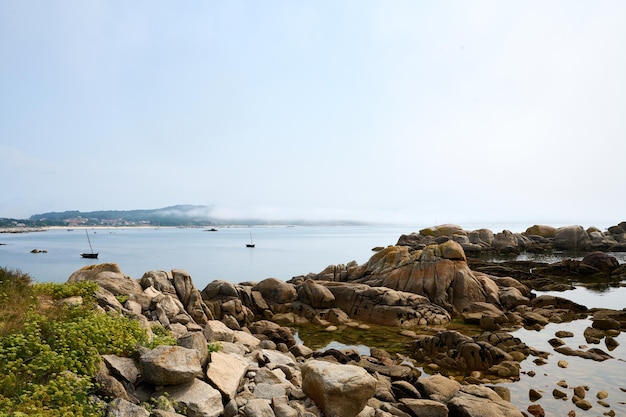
{"points": [[190, 297], [338, 390], [541, 230], [573, 238], [195, 398], [170, 365], [162, 281], [108, 276], [381, 305], [225, 372], [453, 350], [439, 272], [480, 401], [315, 295]]}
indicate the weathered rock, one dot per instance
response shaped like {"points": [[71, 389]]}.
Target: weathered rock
{"points": [[601, 261], [125, 368], [170, 365], [571, 238], [258, 408], [190, 297], [385, 306], [120, 407], [225, 372], [426, 408], [160, 280], [196, 341], [480, 401], [541, 230], [594, 354], [453, 350], [316, 295], [276, 291], [536, 410], [108, 386], [438, 388], [338, 390], [108, 276], [216, 331], [196, 398]]}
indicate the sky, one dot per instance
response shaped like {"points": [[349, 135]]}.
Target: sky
{"points": [[393, 111]]}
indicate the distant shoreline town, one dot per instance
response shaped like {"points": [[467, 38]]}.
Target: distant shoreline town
{"points": [[173, 216]]}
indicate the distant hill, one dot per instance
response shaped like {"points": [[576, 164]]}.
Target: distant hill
{"points": [[179, 215]]}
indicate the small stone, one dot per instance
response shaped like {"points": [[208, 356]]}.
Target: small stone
{"points": [[563, 364], [583, 404], [531, 373], [611, 343], [564, 333], [331, 328], [534, 395], [555, 342], [601, 395], [572, 413], [540, 361], [558, 394], [536, 410], [562, 383], [610, 413], [580, 392], [604, 404]]}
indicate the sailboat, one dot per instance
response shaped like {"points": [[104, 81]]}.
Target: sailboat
{"points": [[251, 244], [91, 254]]}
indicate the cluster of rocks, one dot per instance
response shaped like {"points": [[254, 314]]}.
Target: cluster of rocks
{"points": [[537, 238], [256, 367], [245, 367]]}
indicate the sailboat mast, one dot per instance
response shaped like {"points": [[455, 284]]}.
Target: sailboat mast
{"points": [[89, 240]]}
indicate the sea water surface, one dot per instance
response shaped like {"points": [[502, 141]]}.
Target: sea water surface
{"points": [[280, 252], [284, 252]]}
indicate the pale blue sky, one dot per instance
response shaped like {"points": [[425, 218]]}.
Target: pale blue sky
{"points": [[369, 110]]}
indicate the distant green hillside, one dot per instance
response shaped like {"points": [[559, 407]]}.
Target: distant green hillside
{"points": [[181, 215]]}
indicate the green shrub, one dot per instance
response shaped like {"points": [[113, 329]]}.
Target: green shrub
{"points": [[36, 363], [57, 291], [161, 336]]}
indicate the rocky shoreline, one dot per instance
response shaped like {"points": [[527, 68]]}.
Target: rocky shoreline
{"points": [[256, 367]]}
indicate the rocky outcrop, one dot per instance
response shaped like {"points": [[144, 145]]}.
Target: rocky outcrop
{"points": [[452, 350], [537, 238], [437, 272], [258, 368]]}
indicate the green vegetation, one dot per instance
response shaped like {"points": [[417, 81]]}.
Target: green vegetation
{"points": [[49, 350]]}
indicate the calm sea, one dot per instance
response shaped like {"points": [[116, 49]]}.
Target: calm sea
{"points": [[285, 252], [280, 252]]}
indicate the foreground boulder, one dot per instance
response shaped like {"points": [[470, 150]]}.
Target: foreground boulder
{"points": [[170, 365], [338, 390]]}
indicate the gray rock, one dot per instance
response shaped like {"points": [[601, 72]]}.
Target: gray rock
{"points": [[197, 398], [338, 390], [426, 408], [225, 372], [480, 401], [438, 387], [127, 368], [215, 331], [196, 341], [123, 408], [169, 365], [258, 408], [270, 391]]}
